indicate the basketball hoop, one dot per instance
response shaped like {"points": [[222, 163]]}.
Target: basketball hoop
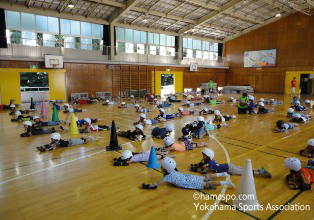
{"points": [[54, 65]]}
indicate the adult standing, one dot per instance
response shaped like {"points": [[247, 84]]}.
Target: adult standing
{"points": [[210, 86], [293, 85], [242, 107]]}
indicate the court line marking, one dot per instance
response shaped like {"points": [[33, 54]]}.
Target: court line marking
{"points": [[224, 188], [57, 165], [265, 145]]}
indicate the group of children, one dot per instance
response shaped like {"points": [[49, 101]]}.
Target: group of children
{"points": [[197, 129]]}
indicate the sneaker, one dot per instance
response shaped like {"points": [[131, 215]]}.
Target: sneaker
{"points": [[229, 183], [264, 172]]}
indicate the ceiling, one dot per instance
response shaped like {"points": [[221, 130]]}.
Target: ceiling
{"points": [[215, 19]]}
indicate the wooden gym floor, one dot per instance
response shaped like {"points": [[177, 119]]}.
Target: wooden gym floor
{"points": [[81, 183]]}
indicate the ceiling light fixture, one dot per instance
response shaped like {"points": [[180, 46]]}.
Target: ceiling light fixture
{"points": [[70, 5], [278, 15], [145, 20]]}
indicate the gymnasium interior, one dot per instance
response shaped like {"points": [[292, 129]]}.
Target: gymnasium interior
{"points": [[86, 84]]}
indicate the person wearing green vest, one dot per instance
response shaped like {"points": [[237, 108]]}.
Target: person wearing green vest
{"points": [[242, 107], [210, 86]]}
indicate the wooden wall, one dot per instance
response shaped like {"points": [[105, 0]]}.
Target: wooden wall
{"points": [[292, 36], [92, 78]]}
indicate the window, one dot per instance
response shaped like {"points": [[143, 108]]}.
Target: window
{"points": [[96, 44], [137, 36], [199, 54], [120, 34], [97, 31], [29, 38], [163, 39], [163, 51], [189, 53], [42, 23], [69, 42], [86, 43], [28, 21], [65, 26], [152, 50], [53, 25], [75, 28], [205, 55], [129, 47], [141, 48], [156, 38], [13, 20], [49, 40], [86, 29], [150, 38], [143, 37], [121, 47], [128, 35]]}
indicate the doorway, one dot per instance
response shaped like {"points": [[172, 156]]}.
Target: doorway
{"points": [[34, 85], [306, 82], [167, 84]]}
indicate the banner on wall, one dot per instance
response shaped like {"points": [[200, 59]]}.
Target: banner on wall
{"points": [[260, 58]]}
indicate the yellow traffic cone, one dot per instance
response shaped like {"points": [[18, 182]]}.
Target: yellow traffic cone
{"points": [[73, 126]]}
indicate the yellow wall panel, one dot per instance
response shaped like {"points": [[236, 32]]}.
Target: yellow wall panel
{"points": [[10, 84], [178, 81], [289, 77]]}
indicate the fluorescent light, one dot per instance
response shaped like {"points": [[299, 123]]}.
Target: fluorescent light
{"points": [[70, 5], [278, 15], [145, 20]]}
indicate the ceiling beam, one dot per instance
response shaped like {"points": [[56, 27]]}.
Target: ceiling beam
{"points": [[164, 15], [64, 6], [110, 3], [211, 15], [203, 4], [221, 28], [257, 26], [245, 18], [272, 3], [122, 11], [51, 12], [91, 10]]}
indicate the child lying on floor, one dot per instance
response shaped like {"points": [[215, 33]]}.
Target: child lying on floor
{"points": [[208, 164], [107, 102], [206, 111], [191, 104], [20, 117], [57, 142], [13, 110], [308, 151], [263, 110], [163, 104], [298, 107], [180, 146], [69, 109], [80, 122], [90, 128], [162, 114], [129, 157], [299, 178], [273, 102], [186, 181], [29, 130], [141, 109], [39, 123], [281, 126], [298, 118], [136, 135], [161, 133], [307, 104]]}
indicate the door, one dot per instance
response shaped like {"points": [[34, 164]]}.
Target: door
{"points": [[305, 84], [167, 84]]}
